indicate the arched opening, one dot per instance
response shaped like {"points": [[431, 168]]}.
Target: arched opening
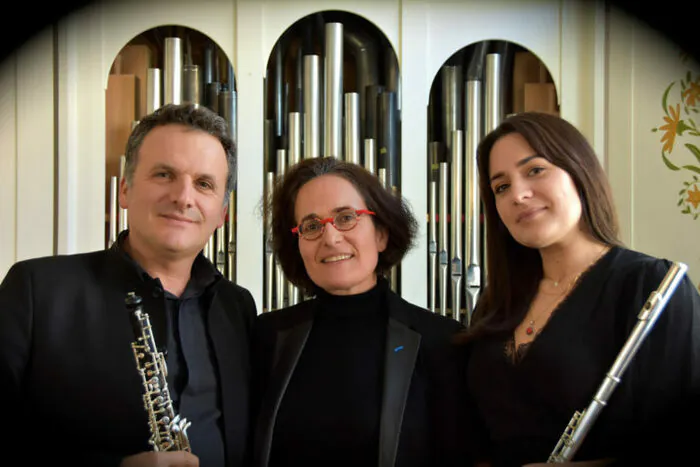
{"points": [[164, 65], [332, 89], [471, 93]]}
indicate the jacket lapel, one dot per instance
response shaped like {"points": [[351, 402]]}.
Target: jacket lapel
{"points": [[290, 344], [402, 344]]}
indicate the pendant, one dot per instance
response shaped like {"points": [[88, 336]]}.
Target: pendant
{"points": [[530, 329]]}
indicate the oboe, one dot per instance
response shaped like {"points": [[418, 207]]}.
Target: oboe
{"points": [[168, 430], [581, 422]]}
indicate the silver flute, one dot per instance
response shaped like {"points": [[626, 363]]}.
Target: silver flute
{"points": [[581, 422], [168, 430]]}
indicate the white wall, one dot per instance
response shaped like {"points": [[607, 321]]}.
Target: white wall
{"points": [[642, 64], [27, 152]]}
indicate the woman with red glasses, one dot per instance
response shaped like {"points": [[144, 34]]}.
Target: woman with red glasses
{"points": [[355, 375]]}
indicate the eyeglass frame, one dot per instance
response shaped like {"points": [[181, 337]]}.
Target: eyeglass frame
{"points": [[331, 220]]}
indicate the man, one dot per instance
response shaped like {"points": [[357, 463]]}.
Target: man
{"points": [[67, 369]]}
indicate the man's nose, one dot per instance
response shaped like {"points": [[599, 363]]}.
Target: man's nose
{"points": [[181, 192]]}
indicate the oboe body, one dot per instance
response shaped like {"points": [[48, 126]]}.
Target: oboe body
{"points": [[581, 422], [168, 430]]}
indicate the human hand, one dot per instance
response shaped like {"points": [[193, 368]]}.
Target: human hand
{"points": [[161, 459]]}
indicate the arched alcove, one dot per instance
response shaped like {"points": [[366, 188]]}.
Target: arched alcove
{"points": [[164, 65], [471, 93], [332, 89]]}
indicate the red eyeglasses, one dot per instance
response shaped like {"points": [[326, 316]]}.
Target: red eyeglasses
{"points": [[311, 229]]}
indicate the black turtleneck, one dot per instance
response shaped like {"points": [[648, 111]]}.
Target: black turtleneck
{"points": [[331, 408]]}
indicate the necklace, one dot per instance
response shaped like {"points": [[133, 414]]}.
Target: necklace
{"points": [[530, 329]]}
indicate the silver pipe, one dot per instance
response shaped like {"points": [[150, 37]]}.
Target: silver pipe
{"points": [[211, 249], [280, 280], [473, 201], [294, 138], [456, 223], [492, 104], [432, 245], [113, 203], [269, 254], [312, 107], [123, 214], [192, 87], [362, 47], [352, 127], [231, 233], [443, 226], [154, 98], [212, 90], [452, 103], [370, 155], [220, 254], [383, 176], [173, 70], [227, 109], [492, 112], [333, 76], [208, 75], [293, 295]]}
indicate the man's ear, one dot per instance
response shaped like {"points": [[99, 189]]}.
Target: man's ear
{"points": [[123, 191], [224, 214]]}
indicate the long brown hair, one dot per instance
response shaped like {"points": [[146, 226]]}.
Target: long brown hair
{"points": [[392, 214], [514, 270]]}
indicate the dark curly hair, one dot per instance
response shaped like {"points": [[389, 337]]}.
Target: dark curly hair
{"points": [[393, 215], [191, 116]]}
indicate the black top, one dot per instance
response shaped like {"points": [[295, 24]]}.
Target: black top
{"points": [[525, 406], [192, 380], [67, 368], [330, 412]]}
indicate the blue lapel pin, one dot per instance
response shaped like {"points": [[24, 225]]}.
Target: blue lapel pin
{"points": [[398, 348]]}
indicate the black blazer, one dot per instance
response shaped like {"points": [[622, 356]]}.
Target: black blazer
{"points": [[422, 415], [68, 377]]}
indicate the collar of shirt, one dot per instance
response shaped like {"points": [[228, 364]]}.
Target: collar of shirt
{"points": [[202, 276]]}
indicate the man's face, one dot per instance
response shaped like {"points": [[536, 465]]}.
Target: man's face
{"points": [[176, 197]]}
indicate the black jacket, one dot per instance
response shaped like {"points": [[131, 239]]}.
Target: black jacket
{"points": [[67, 371], [422, 421]]}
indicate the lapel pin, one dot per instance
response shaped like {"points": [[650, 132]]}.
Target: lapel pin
{"points": [[398, 348]]}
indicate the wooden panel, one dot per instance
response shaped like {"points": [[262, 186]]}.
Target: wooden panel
{"points": [[135, 60], [120, 114], [540, 97]]}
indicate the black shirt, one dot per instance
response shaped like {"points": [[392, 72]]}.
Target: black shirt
{"points": [[192, 378], [331, 409]]}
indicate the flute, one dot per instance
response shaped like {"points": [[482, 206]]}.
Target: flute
{"points": [[581, 422]]}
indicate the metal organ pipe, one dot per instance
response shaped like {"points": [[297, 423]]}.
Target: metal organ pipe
{"points": [[153, 85], [294, 138], [191, 85], [334, 90], [173, 70], [456, 223], [312, 107], [387, 137], [123, 213], [352, 127], [280, 280], [433, 154], [370, 155], [443, 227], [268, 305]]}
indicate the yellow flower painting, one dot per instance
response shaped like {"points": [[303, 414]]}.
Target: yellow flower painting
{"points": [[680, 137]]}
